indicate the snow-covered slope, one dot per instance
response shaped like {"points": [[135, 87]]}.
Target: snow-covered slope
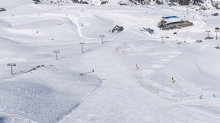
{"points": [[14, 3], [133, 70], [208, 4], [94, 2], [46, 94]]}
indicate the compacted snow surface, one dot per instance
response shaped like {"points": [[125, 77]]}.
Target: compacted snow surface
{"points": [[133, 70]]}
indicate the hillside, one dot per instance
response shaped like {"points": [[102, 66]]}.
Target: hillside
{"points": [[72, 67]]}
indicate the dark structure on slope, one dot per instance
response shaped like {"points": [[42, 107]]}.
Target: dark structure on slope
{"points": [[80, 1], [164, 25], [2, 9], [36, 1], [117, 29]]}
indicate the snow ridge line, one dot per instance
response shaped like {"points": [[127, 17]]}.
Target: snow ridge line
{"points": [[77, 104]]}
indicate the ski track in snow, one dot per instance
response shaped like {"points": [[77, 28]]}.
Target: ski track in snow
{"points": [[126, 94], [114, 101]]}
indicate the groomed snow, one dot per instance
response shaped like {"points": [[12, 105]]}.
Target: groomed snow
{"points": [[133, 70]]}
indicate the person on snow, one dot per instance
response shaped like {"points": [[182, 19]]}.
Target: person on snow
{"points": [[173, 80], [200, 97], [214, 95]]}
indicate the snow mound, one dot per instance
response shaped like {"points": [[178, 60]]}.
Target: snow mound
{"points": [[46, 94], [32, 22], [14, 3], [4, 23], [95, 25]]}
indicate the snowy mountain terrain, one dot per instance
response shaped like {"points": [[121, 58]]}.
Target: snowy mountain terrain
{"points": [[208, 4], [170, 76]]}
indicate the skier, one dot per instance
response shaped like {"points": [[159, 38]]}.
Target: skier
{"points": [[173, 80], [214, 95], [200, 97]]}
